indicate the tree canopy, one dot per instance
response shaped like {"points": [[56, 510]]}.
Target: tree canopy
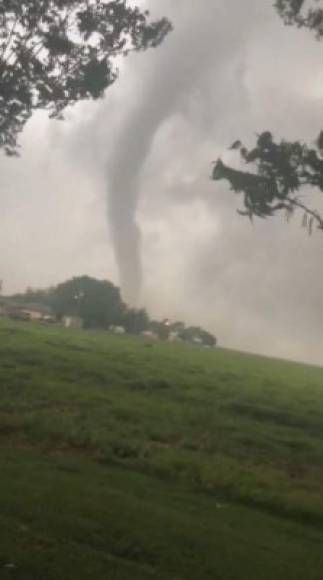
{"points": [[134, 320], [97, 302], [302, 14], [280, 169], [54, 53]]}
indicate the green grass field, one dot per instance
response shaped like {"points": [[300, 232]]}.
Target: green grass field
{"points": [[126, 461]]}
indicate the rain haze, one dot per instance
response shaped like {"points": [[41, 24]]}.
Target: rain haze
{"points": [[122, 190]]}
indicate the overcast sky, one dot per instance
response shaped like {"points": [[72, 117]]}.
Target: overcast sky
{"points": [[121, 189]]}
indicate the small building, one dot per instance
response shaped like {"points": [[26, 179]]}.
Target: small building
{"points": [[149, 334], [33, 313], [25, 311], [49, 319], [72, 322], [174, 337], [20, 311], [15, 312], [117, 329]]}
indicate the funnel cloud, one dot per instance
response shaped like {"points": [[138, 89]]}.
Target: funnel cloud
{"points": [[165, 89]]}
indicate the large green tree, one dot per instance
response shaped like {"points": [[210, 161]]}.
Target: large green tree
{"points": [[279, 170], [134, 320], [54, 53], [97, 302]]}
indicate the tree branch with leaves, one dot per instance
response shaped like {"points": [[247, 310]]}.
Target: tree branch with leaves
{"points": [[302, 13], [54, 53], [282, 173]]}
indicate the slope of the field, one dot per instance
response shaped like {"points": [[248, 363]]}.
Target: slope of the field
{"points": [[122, 460]]}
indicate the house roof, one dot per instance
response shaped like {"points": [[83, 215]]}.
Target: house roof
{"points": [[41, 308]]}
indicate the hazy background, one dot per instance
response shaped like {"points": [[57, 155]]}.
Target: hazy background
{"points": [[121, 189]]}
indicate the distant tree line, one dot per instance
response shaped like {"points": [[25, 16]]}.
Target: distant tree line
{"points": [[100, 305]]}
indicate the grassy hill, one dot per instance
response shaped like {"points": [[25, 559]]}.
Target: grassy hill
{"points": [[120, 460]]}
